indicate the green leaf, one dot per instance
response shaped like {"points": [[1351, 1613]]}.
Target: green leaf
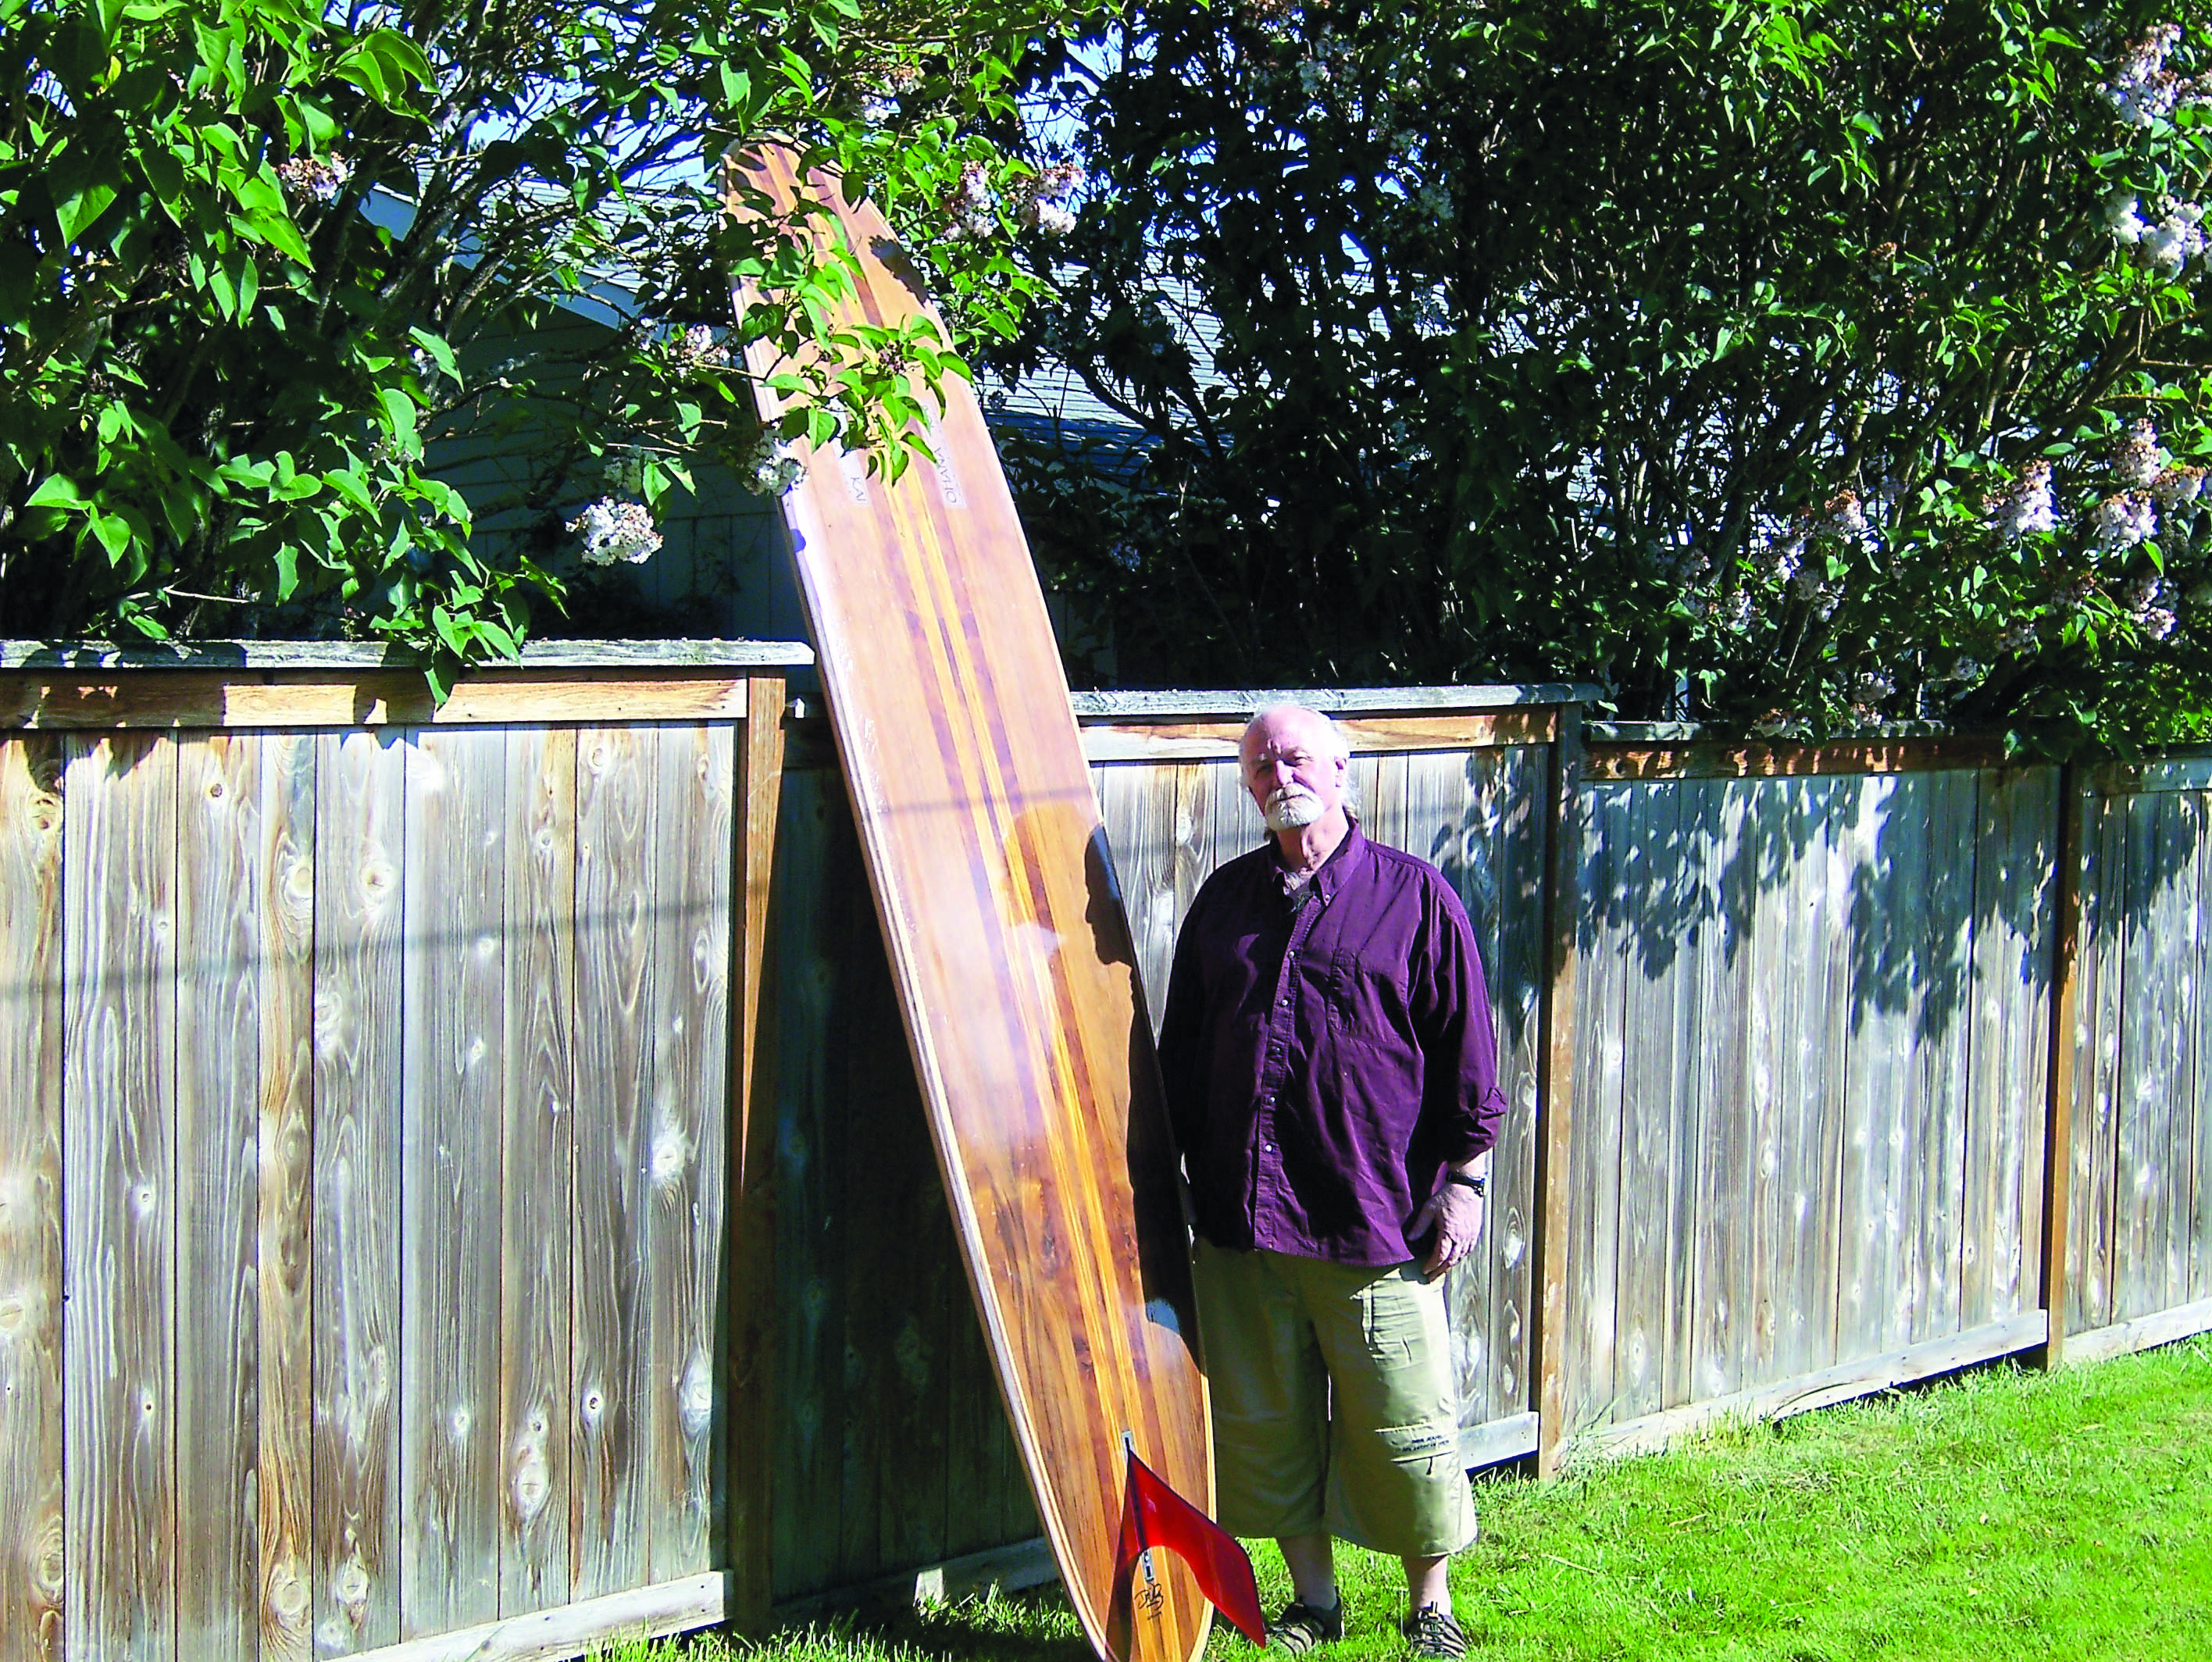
{"points": [[399, 417], [76, 212], [55, 491], [114, 534], [450, 630]]}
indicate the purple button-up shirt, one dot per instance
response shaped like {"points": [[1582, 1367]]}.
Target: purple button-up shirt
{"points": [[1323, 1065]]}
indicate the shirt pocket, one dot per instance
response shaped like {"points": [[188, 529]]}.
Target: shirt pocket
{"points": [[1369, 998]]}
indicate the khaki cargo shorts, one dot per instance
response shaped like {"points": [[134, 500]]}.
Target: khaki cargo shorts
{"points": [[1381, 1467]]}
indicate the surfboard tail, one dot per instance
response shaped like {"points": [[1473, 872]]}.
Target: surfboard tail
{"points": [[1154, 1516]]}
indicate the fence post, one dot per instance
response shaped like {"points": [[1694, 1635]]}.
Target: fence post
{"points": [[1555, 1094], [2065, 1023], [751, 1189]]}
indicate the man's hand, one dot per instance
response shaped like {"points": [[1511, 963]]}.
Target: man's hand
{"points": [[1454, 1216]]}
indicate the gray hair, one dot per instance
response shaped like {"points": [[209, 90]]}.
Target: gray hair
{"points": [[1332, 735]]}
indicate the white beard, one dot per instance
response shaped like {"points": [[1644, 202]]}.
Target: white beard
{"points": [[1289, 810]]}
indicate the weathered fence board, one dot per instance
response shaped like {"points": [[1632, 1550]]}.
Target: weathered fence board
{"points": [[538, 1091], [284, 1474], [687, 1212], [455, 1043], [31, 1552], [119, 1208], [220, 956], [615, 833], [361, 907]]}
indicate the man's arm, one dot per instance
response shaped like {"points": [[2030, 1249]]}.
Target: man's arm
{"points": [[1465, 1102], [1182, 1064]]}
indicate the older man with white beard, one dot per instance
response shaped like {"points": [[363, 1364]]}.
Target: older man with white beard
{"points": [[1331, 1078]]}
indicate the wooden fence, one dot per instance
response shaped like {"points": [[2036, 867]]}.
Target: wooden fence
{"points": [[463, 1190]]}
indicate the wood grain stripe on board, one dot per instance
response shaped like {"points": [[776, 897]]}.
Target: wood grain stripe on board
{"points": [[1197, 741], [32, 1532], [197, 698], [977, 815], [1074, 1067]]}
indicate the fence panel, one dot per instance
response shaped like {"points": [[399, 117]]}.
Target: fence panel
{"points": [[2139, 1237], [296, 1143], [1811, 1047], [892, 1449], [366, 1227]]}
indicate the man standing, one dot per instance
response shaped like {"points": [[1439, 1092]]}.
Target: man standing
{"points": [[1332, 1079]]}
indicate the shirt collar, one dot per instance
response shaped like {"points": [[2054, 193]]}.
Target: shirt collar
{"points": [[1340, 862]]}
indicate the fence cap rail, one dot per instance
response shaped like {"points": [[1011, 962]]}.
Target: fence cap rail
{"points": [[275, 656], [1172, 705]]}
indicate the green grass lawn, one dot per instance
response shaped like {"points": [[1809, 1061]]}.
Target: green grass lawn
{"points": [[2001, 1514]]}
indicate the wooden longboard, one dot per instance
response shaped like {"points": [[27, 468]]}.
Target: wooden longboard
{"points": [[1012, 955]]}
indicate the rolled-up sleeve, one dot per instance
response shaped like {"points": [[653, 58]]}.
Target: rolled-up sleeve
{"points": [[1463, 1106]]}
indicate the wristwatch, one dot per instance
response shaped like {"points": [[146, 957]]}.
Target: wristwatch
{"points": [[1475, 1180]]}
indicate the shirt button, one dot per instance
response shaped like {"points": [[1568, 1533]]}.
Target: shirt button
{"points": [[1269, 1147]]}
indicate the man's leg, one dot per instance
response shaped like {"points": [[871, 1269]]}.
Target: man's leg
{"points": [[1312, 1561], [1427, 1586]]}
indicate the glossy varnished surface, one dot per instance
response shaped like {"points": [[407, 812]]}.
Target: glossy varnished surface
{"points": [[1013, 957]]}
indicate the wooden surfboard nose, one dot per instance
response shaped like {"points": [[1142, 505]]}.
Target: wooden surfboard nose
{"points": [[1012, 957]]}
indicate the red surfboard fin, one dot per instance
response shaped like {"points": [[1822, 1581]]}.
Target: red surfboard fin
{"points": [[1154, 1516]]}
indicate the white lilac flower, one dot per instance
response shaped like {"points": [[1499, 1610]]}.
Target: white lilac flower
{"points": [[2019, 637], [697, 348], [2121, 217], [2178, 486], [1788, 557], [2168, 245], [2142, 89], [616, 530], [1968, 669], [2025, 504], [2123, 519], [2157, 623], [2137, 459], [1048, 217], [318, 178], [1741, 608], [2139, 594], [768, 469], [1873, 686], [973, 209], [1844, 516]]}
